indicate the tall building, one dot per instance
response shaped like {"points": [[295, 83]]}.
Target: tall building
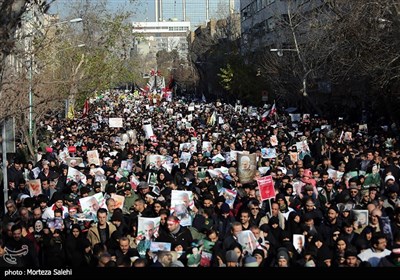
{"points": [[198, 12], [152, 37], [261, 22]]}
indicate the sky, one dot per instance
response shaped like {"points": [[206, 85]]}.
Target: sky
{"points": [[144, 9]]}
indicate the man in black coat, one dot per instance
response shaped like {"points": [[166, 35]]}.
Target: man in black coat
{"points": [[177, 235]]}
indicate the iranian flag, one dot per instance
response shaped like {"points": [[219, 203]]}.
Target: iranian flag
{"points": [[269, 113]]}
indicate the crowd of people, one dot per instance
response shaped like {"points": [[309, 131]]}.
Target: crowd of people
{"points": [[176, 184]]}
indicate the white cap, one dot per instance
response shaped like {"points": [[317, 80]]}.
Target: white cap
{"points": [[389, 177]]}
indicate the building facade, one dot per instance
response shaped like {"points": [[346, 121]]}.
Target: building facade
{"points": [[265, 23], [197, 12], [151, 37]]}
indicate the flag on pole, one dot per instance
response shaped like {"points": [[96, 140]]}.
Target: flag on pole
{"points": [[265, 115], [272, 112], [85, 108]]}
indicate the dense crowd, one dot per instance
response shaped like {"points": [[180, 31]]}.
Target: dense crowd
{"points": [[139, 181]]}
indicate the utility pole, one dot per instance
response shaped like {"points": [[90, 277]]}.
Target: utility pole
{"points": [[5, 179]]}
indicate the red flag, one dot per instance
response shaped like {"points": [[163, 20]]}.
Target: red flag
{"points": [[272, 112], [85, 108]]}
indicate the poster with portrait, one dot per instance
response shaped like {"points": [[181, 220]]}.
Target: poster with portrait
{"points": [[363, 128], [303, 149], [74, 161], [298, 242], [360, 218], [248, 241], [348, 136], [91, 204], [180, 202], [134, 182], [127, 165], [148, 130], [185, 157], [185, 197], [148, 228], [201, 173], [266, 187], [206, 147], [306, 118], [75, 175], [152, 179], [115, 122], [55, 223], [93, 157], [160, 246], [268, 153], [229, 195], [155, 161], [247, 167], [273, 140], [184, 146], [119, 200]]}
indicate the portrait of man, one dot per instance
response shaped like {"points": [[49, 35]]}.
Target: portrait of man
{"points": [[247, 167], [148, 228], [93, 205]]}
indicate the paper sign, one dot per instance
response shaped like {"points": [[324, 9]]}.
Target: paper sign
{"points": [[266, 186], [115, 122]]}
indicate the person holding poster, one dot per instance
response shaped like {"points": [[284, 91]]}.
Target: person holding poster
{"points": [[179, 236], [247, 168]]}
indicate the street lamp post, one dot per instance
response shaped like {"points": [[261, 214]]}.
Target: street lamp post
{"points": [[30, 75]]}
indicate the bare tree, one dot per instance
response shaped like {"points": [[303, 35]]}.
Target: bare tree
{"points": [[337, 42]]}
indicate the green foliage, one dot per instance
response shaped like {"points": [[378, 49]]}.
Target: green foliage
{"points": [[226, 76]]}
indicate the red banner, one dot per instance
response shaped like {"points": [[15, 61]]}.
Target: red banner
{"points": [[72, 149], [266, 186]]}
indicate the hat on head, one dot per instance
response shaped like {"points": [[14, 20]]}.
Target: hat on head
{"points": [[259, 252], [352, 187], [127, 188], [389, 177], [282, 254], [250, 261], [97, 184], [22, 196], [231, 256], [225, 208]]}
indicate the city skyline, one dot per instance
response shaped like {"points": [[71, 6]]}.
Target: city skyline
{"points": [[144, 10]]}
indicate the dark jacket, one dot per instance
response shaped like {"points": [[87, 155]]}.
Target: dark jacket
{"points": [[183, 237]]}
